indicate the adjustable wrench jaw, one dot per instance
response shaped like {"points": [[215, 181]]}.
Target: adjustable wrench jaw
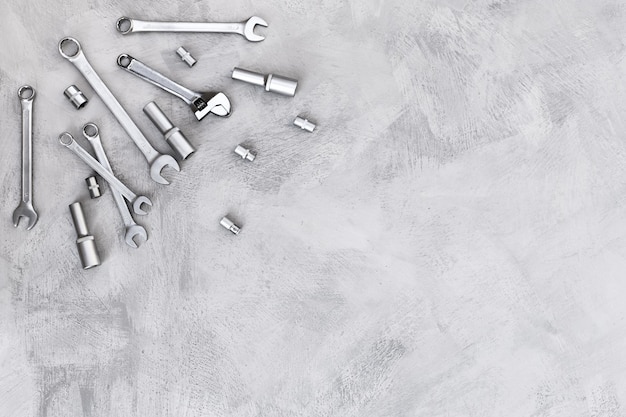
{"points": [[217, 104]]}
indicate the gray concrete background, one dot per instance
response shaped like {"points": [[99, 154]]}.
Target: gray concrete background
{"points": [[451, 242]]}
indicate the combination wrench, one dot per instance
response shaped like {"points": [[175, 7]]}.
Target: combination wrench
{"points": [[25, 209], [132, 229], [68, 141], [126, 25], [200, 103], [71, 50]]}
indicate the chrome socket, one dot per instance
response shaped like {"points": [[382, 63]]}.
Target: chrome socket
{"points": [[93, 186], [272, 83], [304, 124], [245, 153], [87, 250], [186, 56], [172, 134], [230, 225], [76, 97]]}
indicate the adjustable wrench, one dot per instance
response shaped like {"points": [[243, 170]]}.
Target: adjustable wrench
{"points": [[200, 103], [92, 134], [25, 209], [71, 50], [68, 141], [126, 25]]}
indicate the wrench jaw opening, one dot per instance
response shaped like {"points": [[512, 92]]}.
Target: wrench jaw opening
{"points": [[157, 166], [139, 202], [135, 236], [217, 104], [27, 211], [248, 31]]}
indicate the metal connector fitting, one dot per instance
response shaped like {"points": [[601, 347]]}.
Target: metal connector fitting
{"points": [[186, 56], [76, 97], [172, 134], [272, 83], [228, 224], [304, 124], [245, 153], [93, 186], [87, 250]]}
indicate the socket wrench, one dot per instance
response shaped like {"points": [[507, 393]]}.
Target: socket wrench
{"points": [[70, 49], [200, 103]]}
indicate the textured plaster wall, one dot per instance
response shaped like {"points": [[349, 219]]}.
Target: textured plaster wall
{"points": [[450, 242]]}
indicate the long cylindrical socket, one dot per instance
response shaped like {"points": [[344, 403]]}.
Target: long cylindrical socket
{"points": [[87, 250], [172, 134], [272, 83]]}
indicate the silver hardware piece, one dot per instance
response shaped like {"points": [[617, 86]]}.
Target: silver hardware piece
{"points": [[201, 103], [304, 124], [185, 55], [25, 209], [172, 134], [244, 153], [93, 186], [228, 224], [272, 83], [76, 97], [71, 50], [68, 141], [87, 250], [132, 229], [126, 25]]}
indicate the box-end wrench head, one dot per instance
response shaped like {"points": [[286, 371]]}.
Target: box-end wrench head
{"points": [[25, 209], [137, 201], [132, 230]]}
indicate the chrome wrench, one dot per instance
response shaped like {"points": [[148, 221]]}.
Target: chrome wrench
{"points": [[200, 103], [126, 25], [71, 50], [25, 209], [132, 229], [68, 141]]}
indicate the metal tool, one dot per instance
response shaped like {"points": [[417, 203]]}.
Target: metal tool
{"points": [[272, 83], [93, 187], [132, 229], [230, 225], [75, 96], [87, 250], [68, 141], [245, 153], [71, 50], [172, 134], [304, 124], [126, 25], [185, 55], [25, 209], [200, 103]]}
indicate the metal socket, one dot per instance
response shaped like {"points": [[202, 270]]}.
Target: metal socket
{"points": [[304, 124], [230, 225], [76, 97], [172, 134], [87, 250], [245, 153], [93, 186], [272, 83], [186, 56]]}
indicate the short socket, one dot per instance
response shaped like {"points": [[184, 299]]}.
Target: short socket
{"points": [[272, 83], [245, 153], [304, 124], [228, 224], [93, 186], [87, 250], [186, 56], [76, 97], [172, 134]]}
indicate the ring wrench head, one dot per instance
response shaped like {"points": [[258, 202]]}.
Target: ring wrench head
{"points": [[26, 93], [157, 166], [124, 25], [69, 48], [248, 30]]}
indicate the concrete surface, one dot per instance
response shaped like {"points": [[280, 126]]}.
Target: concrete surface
{"points": [[450, 242]]}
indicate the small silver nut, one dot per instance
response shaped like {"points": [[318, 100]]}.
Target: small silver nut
{"points": [[228, 224], [245, 153], [186, 56], [304, 124], [93, 186], [76, 97]]}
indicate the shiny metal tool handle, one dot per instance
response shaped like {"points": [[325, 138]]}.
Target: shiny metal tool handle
{"points": [[141, 70], [188, 27], [27, 96]]}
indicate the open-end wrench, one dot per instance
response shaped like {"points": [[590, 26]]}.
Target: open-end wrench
{"points": [[68, 141], [126, 25], [200, 103], [71, 50], [25, 209], [132, 229]]}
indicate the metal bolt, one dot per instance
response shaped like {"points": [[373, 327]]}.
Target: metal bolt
{"points": [[228, 224], [186, 56], [93, 186], [245, 153], [304, 124]]}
